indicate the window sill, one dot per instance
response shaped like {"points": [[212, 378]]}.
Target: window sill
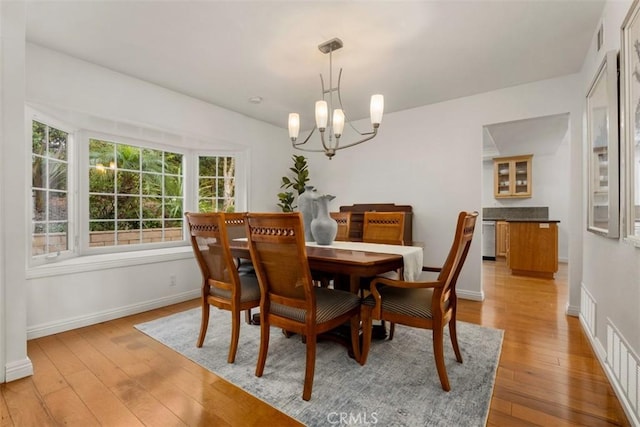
{"points": [[106, 261]]}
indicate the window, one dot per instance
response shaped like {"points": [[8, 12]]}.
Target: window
{"points": [[136, 194], [49, 190], [216, 184], [106, 191]]}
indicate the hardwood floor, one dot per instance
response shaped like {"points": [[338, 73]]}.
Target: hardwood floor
{"points": [[110, 374]]}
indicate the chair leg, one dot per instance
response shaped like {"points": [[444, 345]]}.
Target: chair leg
{"points": [[204, 324], [311, 366], [235, 336], [264, 345], [438, 353], [247, 316], [366, 333], [392, 329], [355, 337], [454, 339]]}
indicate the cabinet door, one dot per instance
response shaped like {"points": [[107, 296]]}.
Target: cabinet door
{"points": [[502, 230], [502, 178], [522, 178], [533, 249]]}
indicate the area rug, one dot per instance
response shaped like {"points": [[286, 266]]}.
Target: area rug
{"points": [[398, 386]]}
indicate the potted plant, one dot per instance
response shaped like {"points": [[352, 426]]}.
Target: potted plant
{"points": [[296, 182]]}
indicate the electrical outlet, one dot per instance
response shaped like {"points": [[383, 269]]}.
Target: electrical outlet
{"points": [[172, 280]]}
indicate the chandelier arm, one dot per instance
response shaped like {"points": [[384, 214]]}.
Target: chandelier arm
{"points": [[324, 145], [296, 144], [371, 136], [317, 150]]}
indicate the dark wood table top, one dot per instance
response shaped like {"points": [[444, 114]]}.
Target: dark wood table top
{"points": [[351, 263]]}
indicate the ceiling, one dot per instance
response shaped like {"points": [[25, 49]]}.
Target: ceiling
{"points": [[538, 136], [414, 52]]}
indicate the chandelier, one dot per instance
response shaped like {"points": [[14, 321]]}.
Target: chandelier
{"points": [[335, 126]]}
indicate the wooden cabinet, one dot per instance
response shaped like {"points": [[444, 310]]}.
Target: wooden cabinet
{"points": [[502, 238], [533, 248], [512, 177]]}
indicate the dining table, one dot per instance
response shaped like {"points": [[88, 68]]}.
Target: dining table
{"points": [[349, 261]]}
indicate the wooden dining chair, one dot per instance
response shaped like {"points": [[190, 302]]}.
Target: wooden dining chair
{"points": [[425, 304], [344, 225], [222, 286], [289, 299], [384, 227]]}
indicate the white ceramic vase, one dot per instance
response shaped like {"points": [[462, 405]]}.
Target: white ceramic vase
{"points": [[323, 227]]}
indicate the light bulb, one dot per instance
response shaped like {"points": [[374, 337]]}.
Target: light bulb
{"points": [[294, 125], [338, 122], [377, 109], [322, 114]]}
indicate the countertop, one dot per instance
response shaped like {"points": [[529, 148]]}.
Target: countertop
{"points": [[532, 220], [521, 219]]}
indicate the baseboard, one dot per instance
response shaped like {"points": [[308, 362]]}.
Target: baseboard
{"points": [[572, 310], [20, 369], [473, 296], [51, 328], [601, 355]]}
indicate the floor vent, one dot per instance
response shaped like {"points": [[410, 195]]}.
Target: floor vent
{"points": [[588, 311], [625, 365]]}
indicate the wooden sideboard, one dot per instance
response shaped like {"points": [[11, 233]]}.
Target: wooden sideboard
{"points": [[357, 215]]}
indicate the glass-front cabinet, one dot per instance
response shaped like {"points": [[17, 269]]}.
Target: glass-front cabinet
{"points": [[512, 177]]}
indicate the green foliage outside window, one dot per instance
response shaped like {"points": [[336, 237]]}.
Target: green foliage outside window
{"points": [[216, 184], [134, 188], [49, 176]]}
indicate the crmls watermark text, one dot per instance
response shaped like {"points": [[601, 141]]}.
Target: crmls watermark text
{"points": [[352, 419]]}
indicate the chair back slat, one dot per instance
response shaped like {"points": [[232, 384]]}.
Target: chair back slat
{"points": [[235, 224], [278, 251], [210, 245], [344, 225], [383, 227]]}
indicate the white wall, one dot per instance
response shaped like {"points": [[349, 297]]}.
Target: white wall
{"points": [[611, 267], [431, 158], [551, 187]]}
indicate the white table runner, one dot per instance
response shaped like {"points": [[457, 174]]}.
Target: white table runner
{"points": [[412, 255]]}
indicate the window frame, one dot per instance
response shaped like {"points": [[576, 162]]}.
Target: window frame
{"points": [[630, 97], [83, 168], [240, 177], [32, 115]]}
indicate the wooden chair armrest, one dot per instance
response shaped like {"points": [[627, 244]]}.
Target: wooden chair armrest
{"points": [[377, 310], [403, 284]]}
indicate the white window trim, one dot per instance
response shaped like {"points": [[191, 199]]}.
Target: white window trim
{"points": [[629, 163], [35, 260], [90, 263], [241, 177], [83, 154]]}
